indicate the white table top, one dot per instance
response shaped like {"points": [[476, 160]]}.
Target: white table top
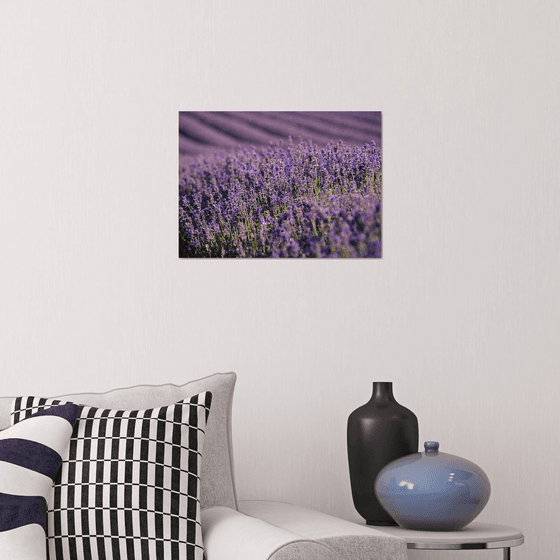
{"points": [[474, 535]]}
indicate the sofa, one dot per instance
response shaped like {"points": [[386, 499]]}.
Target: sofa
{"points": [[147, 472]]}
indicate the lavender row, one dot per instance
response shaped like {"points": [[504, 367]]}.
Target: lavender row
{"points": [[202, 132], [294, 200]]}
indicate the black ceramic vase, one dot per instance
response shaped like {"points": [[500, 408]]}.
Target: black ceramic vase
{"points": [[379, 432]]}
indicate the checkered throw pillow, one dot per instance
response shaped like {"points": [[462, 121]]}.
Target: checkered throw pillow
{"points": [[129, 484]]}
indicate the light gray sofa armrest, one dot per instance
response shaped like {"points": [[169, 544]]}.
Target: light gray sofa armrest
{"points": [[230, 535], [350, 540]]}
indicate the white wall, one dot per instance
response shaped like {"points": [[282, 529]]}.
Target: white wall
{"points": [[462, 312]]}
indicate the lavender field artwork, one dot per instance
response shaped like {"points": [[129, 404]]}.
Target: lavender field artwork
{"points": [[280, 184]]}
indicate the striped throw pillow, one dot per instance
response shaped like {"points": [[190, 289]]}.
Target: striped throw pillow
{"points": [[30, 456], [129, 484]]}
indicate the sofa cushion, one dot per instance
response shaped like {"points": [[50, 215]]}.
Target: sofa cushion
{"points": [[230, 535], [349, 540], [128, 486], [217, 480], [30, 456]]}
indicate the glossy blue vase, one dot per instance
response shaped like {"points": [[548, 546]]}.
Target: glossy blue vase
{"points": [[432, 491]]}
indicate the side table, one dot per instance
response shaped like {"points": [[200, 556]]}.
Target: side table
{"points": [[473, 536]]}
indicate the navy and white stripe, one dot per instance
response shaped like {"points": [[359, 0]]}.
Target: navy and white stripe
{"points": [[30, 457], [129, 485]]}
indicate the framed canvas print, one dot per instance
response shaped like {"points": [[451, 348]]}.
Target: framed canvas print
{"points": [[280, 184]]}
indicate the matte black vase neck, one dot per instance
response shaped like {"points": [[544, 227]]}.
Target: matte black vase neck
{"points": [[382, 392]]}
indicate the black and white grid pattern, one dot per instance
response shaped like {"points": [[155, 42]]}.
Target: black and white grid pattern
{"points": [[129, 486]]}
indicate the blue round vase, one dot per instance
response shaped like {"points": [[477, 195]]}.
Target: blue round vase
{"points": [[432, 491]]}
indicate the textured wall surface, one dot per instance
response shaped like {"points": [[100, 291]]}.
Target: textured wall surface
{"points": [[462, 313]]}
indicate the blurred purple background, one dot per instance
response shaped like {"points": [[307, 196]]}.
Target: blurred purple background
{"points": [[202, 133]]}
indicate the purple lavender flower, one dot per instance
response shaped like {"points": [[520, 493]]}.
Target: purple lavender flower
{"points": [[292, 200]]}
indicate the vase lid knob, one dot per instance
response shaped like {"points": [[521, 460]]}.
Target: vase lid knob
{"points": [[431, 446]]}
